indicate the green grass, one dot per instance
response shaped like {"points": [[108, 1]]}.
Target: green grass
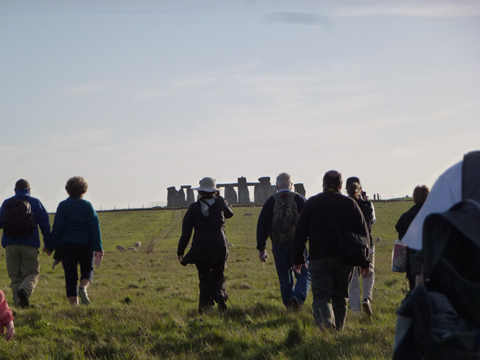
{"points": [[144, 304]]}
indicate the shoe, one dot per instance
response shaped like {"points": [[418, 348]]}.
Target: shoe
{"points": [[23, 296], [367, 306], [222, 306], [55, 263], [83, 296], [294, 304]]}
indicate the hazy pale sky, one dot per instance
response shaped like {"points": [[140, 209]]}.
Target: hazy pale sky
{"points": [[137, 96]]}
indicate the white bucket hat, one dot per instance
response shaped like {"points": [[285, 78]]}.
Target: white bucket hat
{"points": [[207, 184]]}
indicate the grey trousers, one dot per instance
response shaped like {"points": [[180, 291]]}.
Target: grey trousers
{"points": [[330, 282], [23, 267]]}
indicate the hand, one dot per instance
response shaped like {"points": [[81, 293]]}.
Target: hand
{"points": [[180, 258], [298, 268], [262, 254], [100, 252], [366, 271], [46, 251], [10, 330]]}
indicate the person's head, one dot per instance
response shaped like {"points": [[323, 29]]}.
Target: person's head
{"points": [[22, 184], [351, 180], [332, 179], [208, 187], [76, 186], [354, 190], [284, 181], [420, 194]]}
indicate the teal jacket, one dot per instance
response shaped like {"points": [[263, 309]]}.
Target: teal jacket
{"points": [[75, 222]]}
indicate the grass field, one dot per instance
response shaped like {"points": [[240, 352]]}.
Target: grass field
{"points": [[144, 303]]}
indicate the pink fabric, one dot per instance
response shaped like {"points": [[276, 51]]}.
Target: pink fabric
{"points": [[6, 314]]}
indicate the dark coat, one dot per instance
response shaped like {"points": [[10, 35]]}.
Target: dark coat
{"points": [[315, 225], [406, 219], [209, 242]]}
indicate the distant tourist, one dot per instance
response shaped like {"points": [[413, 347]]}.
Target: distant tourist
{"points": [[19, 218], [420, 194], [355, 191], [206, 217], [323, 216], [6, 318], [278, 220], [76, 233]]}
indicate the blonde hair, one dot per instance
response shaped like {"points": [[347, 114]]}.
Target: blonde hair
{"points": [[76, 186]]}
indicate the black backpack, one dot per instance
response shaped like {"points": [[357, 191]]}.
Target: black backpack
{"points": [[17, 217], [440, 318], [284, 218]]}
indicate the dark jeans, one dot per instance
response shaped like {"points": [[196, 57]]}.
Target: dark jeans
{"points": [[212, 283], [330, 283], [72, 255], [284, 261]]}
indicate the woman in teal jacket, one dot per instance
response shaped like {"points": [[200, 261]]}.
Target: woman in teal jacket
{"points": [[76, 233]]}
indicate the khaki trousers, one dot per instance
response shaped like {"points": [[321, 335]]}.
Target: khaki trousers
{"points": [[23, 267]]}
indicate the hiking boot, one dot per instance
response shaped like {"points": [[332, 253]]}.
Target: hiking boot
{"points": [[23, 296], [222, 306], [367, 306], [294, 304], [83, 296]]}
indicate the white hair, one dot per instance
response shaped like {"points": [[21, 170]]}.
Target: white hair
{"points": [[284, 181]]}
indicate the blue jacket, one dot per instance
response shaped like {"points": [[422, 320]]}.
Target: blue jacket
{"points": [[40, 216], [76, 221]]}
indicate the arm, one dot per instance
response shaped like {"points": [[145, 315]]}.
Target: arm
{"points": [[227, 211], [263, 225], [6, 318], [52, 241], [94, 227], [301, 236], [187, 228]]}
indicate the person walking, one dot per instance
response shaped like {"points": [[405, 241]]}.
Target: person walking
{"points": [[324, 216], [206, 217], [355, 191], [278, 220], [76, 233], [21, 216]]}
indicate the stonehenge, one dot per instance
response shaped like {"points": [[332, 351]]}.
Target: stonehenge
{"points": [[262, 190]]}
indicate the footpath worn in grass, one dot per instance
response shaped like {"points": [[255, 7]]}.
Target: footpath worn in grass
{"points": [[144, 303]]}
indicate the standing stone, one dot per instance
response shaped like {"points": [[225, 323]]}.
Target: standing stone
{"points": [[299, 188], [190, 195], [243, 194], [231, 194], [258, 194], [266, 186], [171, 197]]}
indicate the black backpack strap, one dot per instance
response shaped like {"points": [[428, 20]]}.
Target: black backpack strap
{"points": [[471, 176]]}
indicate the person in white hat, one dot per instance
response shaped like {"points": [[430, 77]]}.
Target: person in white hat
{"points": [[209, 245]]}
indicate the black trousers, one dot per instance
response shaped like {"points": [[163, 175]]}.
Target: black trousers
{"points": [[73, 255], [212, 282]]}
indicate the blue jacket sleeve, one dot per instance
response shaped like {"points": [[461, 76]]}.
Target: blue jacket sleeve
{"points": [[94, 226]]}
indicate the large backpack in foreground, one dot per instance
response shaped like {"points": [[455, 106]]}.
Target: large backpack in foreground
{"points": [[440, 318], [284, 218]]}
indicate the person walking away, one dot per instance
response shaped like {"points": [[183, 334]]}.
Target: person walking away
{"points": [[278, 220], [76, 233], [322, 218], [21, 216], [355, 191], [206, 217], [420, 194]]}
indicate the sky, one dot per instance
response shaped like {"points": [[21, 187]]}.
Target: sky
{"points": [[138, 96]]}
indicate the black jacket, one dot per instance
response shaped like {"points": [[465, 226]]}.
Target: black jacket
{"points": [[406, 219], [315, 225], [209, 242]]}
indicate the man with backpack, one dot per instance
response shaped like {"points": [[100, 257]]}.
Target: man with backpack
{"points": [[278, 220], [19, 217]]}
